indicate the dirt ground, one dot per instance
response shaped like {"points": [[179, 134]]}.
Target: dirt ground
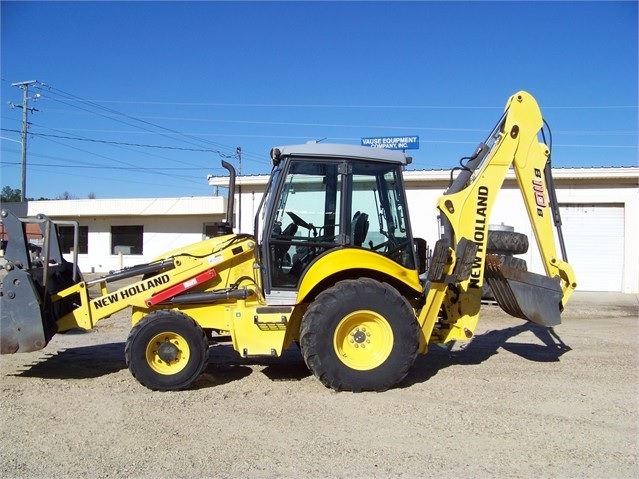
{"points": [[516, 401]]}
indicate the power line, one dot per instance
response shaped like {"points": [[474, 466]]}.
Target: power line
{"points": [[69, 96], [93, 140], [59, 95], [153, 171], [335, 125], [142, 125], [204, 150], [399, 107], [152, 155], [98, 167], [65, 96], [117, 180], [80, 165]]}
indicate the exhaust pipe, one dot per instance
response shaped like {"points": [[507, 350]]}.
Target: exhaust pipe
{"points": [[231, 199]]}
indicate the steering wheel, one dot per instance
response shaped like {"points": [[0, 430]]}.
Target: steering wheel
{"points": [[300, 222]]}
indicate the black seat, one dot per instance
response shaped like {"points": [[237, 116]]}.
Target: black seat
{"points": [[359, 228], [281, 250]]}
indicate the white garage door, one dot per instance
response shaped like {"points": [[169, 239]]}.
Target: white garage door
{"points": [[594, 236]]}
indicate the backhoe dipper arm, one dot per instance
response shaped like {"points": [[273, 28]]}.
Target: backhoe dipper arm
{"points": [[534, 177]]}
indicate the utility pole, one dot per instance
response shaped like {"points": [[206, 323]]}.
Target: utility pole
{"points": [[238, 150], [24, 85]]}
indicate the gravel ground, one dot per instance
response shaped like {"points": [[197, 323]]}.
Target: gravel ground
{"points": [[516, 401]]}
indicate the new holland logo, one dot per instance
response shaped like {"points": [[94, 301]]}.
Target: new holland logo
{"points": [[479, 236], [131, 291]]}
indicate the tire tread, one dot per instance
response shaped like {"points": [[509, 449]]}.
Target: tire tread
{"points": [[313, 331], [200, 349]]}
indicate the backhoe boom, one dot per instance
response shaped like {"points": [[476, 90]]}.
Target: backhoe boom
{"points": [[465, 210]]}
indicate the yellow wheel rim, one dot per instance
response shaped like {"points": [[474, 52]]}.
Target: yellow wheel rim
{"points": [[363, 340], [167, 353]]}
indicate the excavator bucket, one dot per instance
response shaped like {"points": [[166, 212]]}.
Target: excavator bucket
{"points": [[522, 294], [32, 275]]}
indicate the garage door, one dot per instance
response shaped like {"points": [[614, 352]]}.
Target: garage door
{"points": [[594, 236]]}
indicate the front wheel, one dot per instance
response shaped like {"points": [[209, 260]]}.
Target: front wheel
{"points": [[166, 351], [359, 335]]}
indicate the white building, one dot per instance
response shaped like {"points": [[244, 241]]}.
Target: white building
{"points": [[599, 209], [117, 233]]}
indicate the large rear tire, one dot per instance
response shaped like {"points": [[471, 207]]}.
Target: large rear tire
{"points": [[359, 335], [166, 351]]}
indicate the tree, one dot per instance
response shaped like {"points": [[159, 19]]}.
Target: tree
{"points": [[66, 196], [9, 195]]}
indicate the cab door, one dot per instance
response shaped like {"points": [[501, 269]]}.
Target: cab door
{"points": [[304, 221]]}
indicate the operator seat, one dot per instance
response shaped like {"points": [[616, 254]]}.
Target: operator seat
{"points": [[359, 228], [282, 249]]}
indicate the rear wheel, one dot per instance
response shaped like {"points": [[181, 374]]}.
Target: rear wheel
{"points": [[359, 335], [166, 351]]}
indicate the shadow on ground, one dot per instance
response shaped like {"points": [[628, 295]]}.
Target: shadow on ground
{"points": [[484, 346], [225, 365], [225, 362], [78, 363]]}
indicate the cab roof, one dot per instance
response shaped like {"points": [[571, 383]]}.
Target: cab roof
{"points": [[334, 150]]}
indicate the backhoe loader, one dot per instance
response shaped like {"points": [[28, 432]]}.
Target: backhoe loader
{"points": [[331, 266]]}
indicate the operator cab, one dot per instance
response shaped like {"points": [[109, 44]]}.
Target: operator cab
{"points": [[321, 197]]}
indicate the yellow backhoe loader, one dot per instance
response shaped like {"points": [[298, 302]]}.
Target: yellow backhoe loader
{"points": [[332, 266]]}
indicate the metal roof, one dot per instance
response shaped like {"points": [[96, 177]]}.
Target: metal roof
{"points": [[626, 174], [333, 150]]}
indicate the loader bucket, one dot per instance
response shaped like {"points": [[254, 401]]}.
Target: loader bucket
{"points": [[27, 313], [28, 316], [522, 294], [21, 326]]}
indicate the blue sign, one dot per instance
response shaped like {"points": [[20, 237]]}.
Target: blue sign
{"points": [[393, 142]]}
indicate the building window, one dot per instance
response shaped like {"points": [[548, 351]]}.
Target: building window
{"points": [[65, 233], [127, 239]]}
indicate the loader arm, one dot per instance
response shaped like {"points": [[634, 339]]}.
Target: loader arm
{"points": [[46, 295], [452, 305]]}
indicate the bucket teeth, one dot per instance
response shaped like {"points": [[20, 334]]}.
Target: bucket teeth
{"points": [[522, 294]]}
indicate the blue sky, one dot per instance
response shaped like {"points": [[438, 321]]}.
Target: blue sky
{"points": [[181, 77]]}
